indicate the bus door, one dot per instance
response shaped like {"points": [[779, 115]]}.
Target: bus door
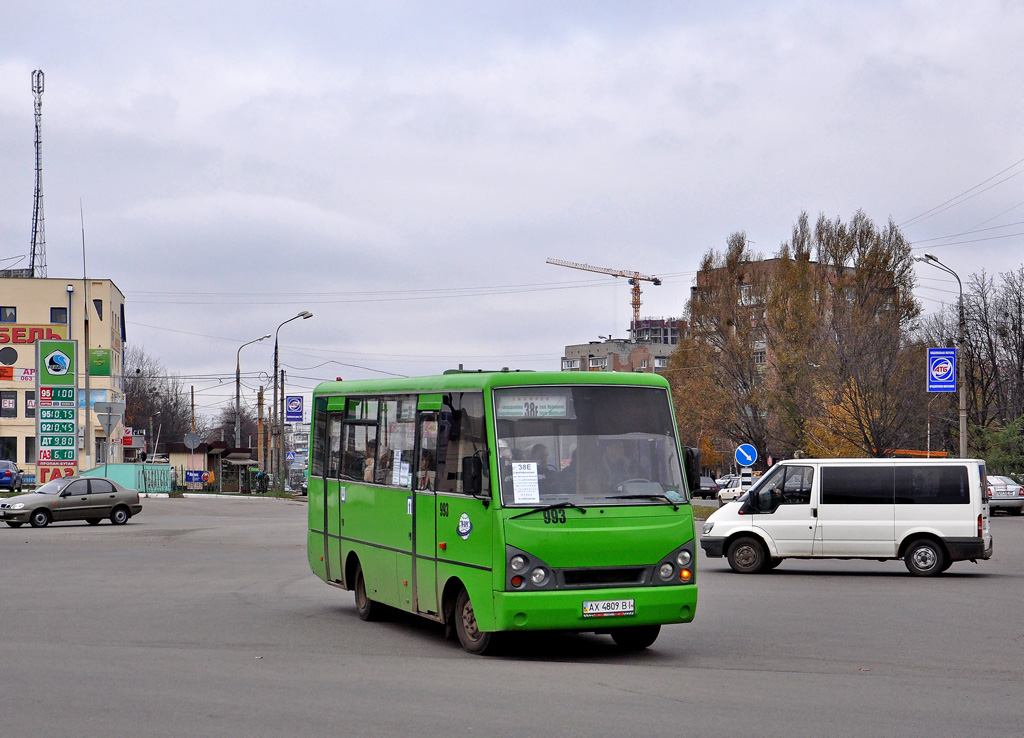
{"points": [[333, 492], [424, 523]]}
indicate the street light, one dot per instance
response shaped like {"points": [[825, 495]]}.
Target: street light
{"points": [[960, 359], [276, 422], [238, 389]]}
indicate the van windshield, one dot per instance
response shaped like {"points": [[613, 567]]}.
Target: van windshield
{"points": [[587, 445]]}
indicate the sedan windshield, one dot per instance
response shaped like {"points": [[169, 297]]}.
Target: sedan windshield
{"points": [[587, 445], [53, 487]]}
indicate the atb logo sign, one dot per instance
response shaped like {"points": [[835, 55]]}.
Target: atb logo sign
{"points": [[293, 409], [58, 364], [941, 370]]}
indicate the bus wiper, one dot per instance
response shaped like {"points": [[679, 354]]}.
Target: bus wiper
{"points": [[554, 506], [675, 505]]}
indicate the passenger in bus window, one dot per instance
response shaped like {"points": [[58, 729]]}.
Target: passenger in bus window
{"points": [[371, 452]]}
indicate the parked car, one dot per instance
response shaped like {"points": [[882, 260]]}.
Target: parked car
{"points": [[72, 498], [10, 476], [730, 491], [1005, 494], [725, 479], [708, 488]]}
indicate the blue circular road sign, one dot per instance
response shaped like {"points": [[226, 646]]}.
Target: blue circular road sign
{"points": [[746, 455]]}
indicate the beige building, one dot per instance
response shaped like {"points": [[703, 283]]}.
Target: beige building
{"points": [[658, 338], [34, 308]]}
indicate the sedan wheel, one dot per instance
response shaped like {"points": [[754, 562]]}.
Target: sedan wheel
{"points": [[40, 519], [119, 515]]}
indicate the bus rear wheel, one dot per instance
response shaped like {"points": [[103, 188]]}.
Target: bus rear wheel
{"points": [[367, 609], [473, 639], [636, 638]]}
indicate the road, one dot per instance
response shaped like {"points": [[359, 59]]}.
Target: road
{"points": [[200, 618]]}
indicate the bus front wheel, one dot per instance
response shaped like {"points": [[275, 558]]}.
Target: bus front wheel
{"points": [[366, 608], [473, 639]]}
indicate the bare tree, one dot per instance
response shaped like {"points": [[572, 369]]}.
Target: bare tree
{"points": [[154, 398]]}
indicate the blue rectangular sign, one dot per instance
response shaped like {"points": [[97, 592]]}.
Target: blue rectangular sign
{"points": [[942, 370], [293, 409]]}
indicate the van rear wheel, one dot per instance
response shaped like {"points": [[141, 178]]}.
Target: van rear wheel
{"points": [[747, 556], [925, 558]]}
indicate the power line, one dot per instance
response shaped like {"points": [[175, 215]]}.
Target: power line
{"points": [[953, 201]]}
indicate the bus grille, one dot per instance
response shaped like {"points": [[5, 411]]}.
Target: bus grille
{"points": [[596, 577]]}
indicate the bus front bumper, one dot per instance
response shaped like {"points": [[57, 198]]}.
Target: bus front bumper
{"points": [[564, 610]]}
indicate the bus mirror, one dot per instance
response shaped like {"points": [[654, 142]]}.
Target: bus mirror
{"points": [[691, 467], [472, 475]]}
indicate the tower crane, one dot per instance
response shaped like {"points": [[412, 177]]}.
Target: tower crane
{"points": [[635, 278]]}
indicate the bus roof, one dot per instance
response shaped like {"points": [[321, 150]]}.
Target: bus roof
{"points": [[468, 380]]}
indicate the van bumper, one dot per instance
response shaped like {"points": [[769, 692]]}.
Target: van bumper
{"points": [[968, 549], [713, 547]]}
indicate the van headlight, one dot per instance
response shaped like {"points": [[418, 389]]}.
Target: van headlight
{"points": [[707, 528]]}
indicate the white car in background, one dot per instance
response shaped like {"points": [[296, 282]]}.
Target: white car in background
{"points": [[732, 490], [1005, 494]]}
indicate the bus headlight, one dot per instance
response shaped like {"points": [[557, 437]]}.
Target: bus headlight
{"points": [[518, 562], [539, 576], [665, 571], [683, 559]]}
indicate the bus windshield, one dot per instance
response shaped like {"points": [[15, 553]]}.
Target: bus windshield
{"points": [[588, 445]]}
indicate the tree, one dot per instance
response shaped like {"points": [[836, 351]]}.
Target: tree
{"points": [[154, 399]]}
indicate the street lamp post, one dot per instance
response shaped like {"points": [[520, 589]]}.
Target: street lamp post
{"points": [[277, 420], [238, 389], [961, 358]]}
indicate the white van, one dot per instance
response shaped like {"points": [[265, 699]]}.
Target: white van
{"points": [[929, 513]]}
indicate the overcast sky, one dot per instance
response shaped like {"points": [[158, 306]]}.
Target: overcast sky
{"points": [[403, 169]]}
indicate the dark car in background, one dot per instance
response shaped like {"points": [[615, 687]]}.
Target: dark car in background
{"points": [[91, 499], [708, 488], [10, 476]]}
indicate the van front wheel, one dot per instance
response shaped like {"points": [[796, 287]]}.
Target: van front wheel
{"points": [[925, 558], [747, 556]]}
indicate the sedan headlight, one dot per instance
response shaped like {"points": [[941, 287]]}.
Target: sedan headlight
{"points": [[17, 505], [707, 528]]}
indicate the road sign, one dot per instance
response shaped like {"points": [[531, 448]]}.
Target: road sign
{"points": [[192, 440], [942, 370], [290, 456], [746, 454], [109, 415]]}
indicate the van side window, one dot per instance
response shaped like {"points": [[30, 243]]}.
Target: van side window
{"points": [[932, 485], [857, 485]]}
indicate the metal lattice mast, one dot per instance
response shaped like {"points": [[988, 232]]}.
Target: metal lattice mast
{"points": [[37, 259]]}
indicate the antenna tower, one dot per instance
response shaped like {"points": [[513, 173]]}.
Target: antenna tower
{"points": [[37, 259]]}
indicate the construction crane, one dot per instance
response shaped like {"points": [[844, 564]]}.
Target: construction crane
{"points": [[635, 278]]}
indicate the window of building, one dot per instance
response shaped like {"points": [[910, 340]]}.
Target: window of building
{"points": [[570, 364], [59, 315], [8, 314], [643, 363], [30, 450], [8, 447], [98, 304], [660, 362], [8, 404], [30, 404], [598, 362]]}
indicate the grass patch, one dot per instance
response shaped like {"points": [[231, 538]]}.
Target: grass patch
{"points": [[702, 511]]}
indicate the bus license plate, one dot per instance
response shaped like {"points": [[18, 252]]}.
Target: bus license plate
{"points": [[608, 608]]}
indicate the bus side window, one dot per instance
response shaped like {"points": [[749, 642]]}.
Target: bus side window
{"points": [[319, 438], [333, 444], [426, 464]]}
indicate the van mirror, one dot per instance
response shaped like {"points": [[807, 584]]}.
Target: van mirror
{"points": [[691, 467]]}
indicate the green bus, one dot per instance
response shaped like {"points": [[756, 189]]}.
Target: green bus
{"points": [[506, 501]]}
